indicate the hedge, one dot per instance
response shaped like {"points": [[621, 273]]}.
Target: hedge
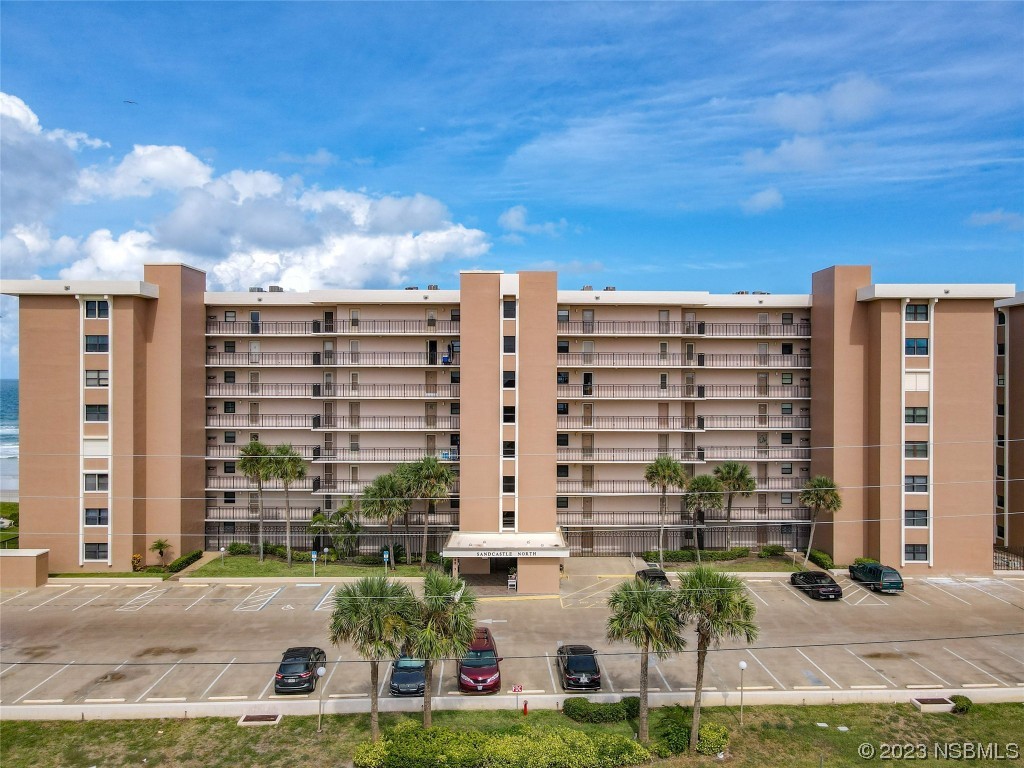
{"points": [[712, 739], [582, 710], [184, 561], [961, 704], [859, 560], [822, 559], [674, 728], [239, 548], [772, 550], [690, 555]]}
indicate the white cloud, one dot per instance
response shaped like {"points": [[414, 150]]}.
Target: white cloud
{"points": [[855, 99], [997, 218], [801, 153], [319, 159], [763, 201], [515, 221], [851, 100], [145, 170]]}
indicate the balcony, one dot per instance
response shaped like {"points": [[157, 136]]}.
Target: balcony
{"points": [[680, 360], [242, 483], [751, 453], [332, 328], [631, 423], [326, 391], [652, 519], [681, 392], [757, 422], [642, 487], [697, 328], [316, 421], [333, 359], [243, 512], [384, 455], [356, 487], [626, 455], [230, 451]]}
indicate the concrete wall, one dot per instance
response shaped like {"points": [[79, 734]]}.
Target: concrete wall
{"points": [[23, 568]]}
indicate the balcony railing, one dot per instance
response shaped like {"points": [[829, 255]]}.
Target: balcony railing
{"points": [[231, 450], [681, 328], [384, 455], [642, 487], [635, 519], [752, 453], [356, 487], [267, 420], [316, 421], [626, 455], [757, 422], [242, 483], [681, 360], [240, 512], [681, 423], [333, 327], [346, 359], [347, 391], [681, 391]]}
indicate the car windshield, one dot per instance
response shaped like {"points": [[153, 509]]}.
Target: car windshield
{"points": [[406, 663], [585, 664], [480, 659], [292, 667], [822, 578], [890, 575]]}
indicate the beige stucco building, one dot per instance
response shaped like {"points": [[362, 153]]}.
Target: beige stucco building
{"points": [[548, 404]]}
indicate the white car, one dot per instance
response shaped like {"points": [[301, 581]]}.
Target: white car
{"points": [[5, 523]]}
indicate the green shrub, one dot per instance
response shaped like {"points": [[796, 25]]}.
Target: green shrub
{"points": [[859, 560], [302, 556], [368, 560], [184, 561], [239, 548], [582, 710], [690, 555], [658, 748], [673, 729], [712, 739], [961, 704], [822, 559], [772, 550], [631, 707], [372, 755], [614, 751]]}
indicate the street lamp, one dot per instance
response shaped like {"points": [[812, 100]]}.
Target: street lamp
{"points": [[320, 672], [222, 555], [743, 665]]}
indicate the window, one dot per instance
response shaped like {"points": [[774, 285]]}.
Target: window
{"points": [[229, 406], [562, 439], [915, 483], [229, 497], [915, 552], [787, 379], [230, 437], [97, 413], [508, 379], [1000, 318], [508, 414], [509, 343], [916, 313], [786, 409], [787, 318], [1000, 470], [561, 502], [229, 347], [97, 378], [95, 551], [97, 482], [915, 415], [1000, 441], [562, 316], [508, 448], [786, 469], [1000, 409], [663, 381], [453, 502], [97, 309], [787, 348], [229, 316], [453, 441], [456, 377], [563, 346], [1000, 348], [508, 309], [353, 442], [562, 470], [915, 346], [97, 516], [562, 409], [786, 438], [915, 518], [97, 343], [916, 381], [508, 484], [455, 409], [915, 449], [562, 377], [1000, 501], [456, 315], [786, 498], [229, 377], [229, 467]]}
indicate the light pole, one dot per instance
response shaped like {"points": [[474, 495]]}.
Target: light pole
{"points": [[222, 555], [320, 672], [743, 665], [327, 551]]}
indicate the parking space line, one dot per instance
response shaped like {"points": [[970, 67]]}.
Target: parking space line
{"points": [[154, 685], [258, 599], [1001, 682], [862, 661], [97, 597], [773, 677], [985, 591], [930, 584], [551, 674], [30, 690], [837, 685], [139, 602], [755, 594], [198, 600], [922, 666], [218, 677], [383, 682], [324, 599], [910, 594], [5, 670], [664, 679], [270, 682], [13, 597], [334, 668], [1014, 658], [52, 599], [1001, 581]]}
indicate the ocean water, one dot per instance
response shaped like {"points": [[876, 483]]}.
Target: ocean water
{"points": [[8, 437]]}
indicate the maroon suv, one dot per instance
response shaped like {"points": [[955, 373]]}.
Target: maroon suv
{"points": [[479, 671]]}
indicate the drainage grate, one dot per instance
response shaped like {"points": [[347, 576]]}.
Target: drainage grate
{"points": [[259, 719]]}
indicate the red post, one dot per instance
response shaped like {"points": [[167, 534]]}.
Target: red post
{"points": [[526, 707]]}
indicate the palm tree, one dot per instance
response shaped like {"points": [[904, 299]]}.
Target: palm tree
{"points": [[384, 499], [431, 480], [375, 615], [444, 626], [821, 495], [703, 492], [662, 473], [160, 546], [254, 462], [644, 615], [288, 468], [341, 525], [735, 479], [719, 606]]}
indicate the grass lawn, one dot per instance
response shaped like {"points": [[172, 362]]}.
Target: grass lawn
{"points": [[9, 509], [242, 566], [772, 736], [6, 535], [755, 564]]}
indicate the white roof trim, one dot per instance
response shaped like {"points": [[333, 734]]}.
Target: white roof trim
{"points": [[80, 288], [494, 544], [935, 291], [1016, 301]]}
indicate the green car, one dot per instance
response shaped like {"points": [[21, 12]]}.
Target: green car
{"points": [[881, 578]]}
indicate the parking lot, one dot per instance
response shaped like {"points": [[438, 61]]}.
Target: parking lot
{"points": [[131, 643]]}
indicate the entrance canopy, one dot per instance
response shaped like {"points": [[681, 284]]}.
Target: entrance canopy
{"points": [[494, 544]]}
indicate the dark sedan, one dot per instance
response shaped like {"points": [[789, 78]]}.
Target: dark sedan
{"points": [[817, 584], [408, 676], [578, 667], [654, 576], [297, 673]]}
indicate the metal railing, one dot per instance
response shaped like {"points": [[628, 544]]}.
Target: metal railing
{"points": [[680, 391], [681, 423], [243, 483], [757, 422], [347, 359], [333, 327], [681, 360], [643, 488], [318, 421], [347, 391], [632, 519], [682, 328], [635, 455]]}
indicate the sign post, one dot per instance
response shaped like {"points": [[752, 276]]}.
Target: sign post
{"points": [[517, 689], [387, 557], [313, 556]]}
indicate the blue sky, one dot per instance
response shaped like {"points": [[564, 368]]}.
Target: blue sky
{"points": [[703, 146]]}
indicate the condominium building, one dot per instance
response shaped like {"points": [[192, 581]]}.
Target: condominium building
{"points": [[547, 405], [1009, 502]]}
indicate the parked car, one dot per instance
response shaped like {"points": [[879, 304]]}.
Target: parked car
{"points": [[5, 523], [880, 578], [655, 576], [408, 676], [479, 671], [297, 673], [817, 584], [578, 667]]}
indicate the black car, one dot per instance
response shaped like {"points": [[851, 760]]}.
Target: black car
{"points": [[578, 667], [297, 673], [817, 584], [654, 576], [408, 676]]}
